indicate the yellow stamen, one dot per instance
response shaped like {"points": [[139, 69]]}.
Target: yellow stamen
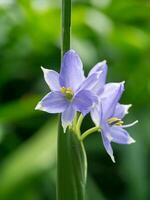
{"points": [[63, 90], [68, 93], [115, 120]]}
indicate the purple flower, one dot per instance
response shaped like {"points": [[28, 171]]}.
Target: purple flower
{"points": [[70, 90], [97, 85], [108, 114], [98, 88]]}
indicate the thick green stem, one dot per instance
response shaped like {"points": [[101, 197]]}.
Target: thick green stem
{"points": [[71, 167], [66, 25], [71, 157]]}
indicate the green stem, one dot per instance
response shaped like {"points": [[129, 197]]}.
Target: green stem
{"points": [[71, 156], [63, 141], [75, 122], [88, 132], [66, 26], [71, 167], [78, 126]]}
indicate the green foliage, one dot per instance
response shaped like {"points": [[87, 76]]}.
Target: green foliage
{"points": [[117, 31]]}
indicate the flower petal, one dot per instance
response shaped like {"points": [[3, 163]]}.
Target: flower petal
{"points": [[53, 102], [120, 135], [67, 117], [52, 79], [90, 82], [83, 101], [110, 97], [96, 113], [108, 146], [100, 67], [71, 74], [121, 110]]}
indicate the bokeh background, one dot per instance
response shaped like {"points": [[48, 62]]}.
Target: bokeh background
{"points": [[30, 37]]}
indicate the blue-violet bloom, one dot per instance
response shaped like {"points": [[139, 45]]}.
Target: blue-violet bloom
{"points": [[70, 90], [109, 114]]}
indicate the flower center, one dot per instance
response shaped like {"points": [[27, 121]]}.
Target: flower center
{"points": [[68, 93], [115, 121]]}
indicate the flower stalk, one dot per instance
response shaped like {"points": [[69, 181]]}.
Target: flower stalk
{"points": [[66, 26], [71, 157], [78, 126], [88, 132]]}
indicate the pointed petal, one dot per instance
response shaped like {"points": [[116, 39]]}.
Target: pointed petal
{"points": [[108, 146], [121, 110], [110, 97], [52, 79], [67, 117], [120, 135], [83, 101], [53, 102], [96, 113], [100, 67], [90, 82], [71, 74]]}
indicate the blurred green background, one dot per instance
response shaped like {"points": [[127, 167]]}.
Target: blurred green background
{"points": [[115, 30]]}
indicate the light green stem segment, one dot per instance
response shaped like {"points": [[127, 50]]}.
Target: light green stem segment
{"points": [[78, 126], [88, 132], [71, 157]]}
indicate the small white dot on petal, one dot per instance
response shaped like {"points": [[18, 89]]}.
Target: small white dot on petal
{"points": [[45, 70], [110, 138], [131, 140], [113, 159], [127, 108], [39, 107], [98, 74]]}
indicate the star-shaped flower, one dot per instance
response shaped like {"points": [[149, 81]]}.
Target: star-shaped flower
{"points": [[70, 90], [108, 115]]}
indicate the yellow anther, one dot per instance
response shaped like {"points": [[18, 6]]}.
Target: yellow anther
{"points": [[119, 123], [63, 90], [110, 120], [115, 121], [68, 93]]}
